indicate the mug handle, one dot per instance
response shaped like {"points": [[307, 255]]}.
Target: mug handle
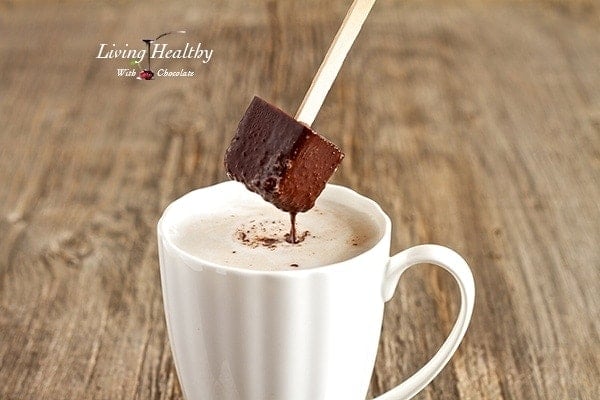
{"points": [[458, 268]]}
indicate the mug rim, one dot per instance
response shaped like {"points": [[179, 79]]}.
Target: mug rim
{"points": [[198, 263]]}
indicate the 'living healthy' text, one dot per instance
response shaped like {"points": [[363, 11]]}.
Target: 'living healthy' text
{"points": [[158, 50]]}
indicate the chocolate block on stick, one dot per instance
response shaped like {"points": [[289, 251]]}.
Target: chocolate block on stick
{"points": [[281, 159]]}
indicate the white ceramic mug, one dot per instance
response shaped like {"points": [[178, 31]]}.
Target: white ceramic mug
{"points": [[310, 334]]}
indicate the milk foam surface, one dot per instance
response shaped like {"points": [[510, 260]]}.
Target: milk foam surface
{"points": [[252, 235]]}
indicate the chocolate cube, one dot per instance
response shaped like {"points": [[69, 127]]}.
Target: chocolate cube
{"points": [[281, 159]]}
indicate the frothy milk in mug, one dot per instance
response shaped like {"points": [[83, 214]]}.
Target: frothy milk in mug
{"points": [[253, 235]]}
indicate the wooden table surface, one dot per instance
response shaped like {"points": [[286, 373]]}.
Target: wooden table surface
{"points": [[474, 126]]}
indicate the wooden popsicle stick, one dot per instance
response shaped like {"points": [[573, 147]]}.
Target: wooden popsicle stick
{"points": [[330, 67]]}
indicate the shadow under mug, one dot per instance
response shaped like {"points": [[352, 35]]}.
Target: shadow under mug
{"points": [[310, 334]]}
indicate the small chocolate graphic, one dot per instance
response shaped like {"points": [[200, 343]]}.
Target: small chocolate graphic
{"points": [[146, 74]]}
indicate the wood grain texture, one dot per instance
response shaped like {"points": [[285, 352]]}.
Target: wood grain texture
{"points": [[474, 126]]}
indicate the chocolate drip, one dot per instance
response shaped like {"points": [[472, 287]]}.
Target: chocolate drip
{"points": [[291, 238]]}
